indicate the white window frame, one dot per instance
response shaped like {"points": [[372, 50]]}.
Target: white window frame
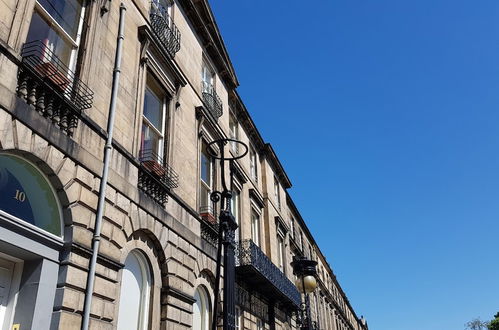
{"points": [[209, 187], [233, 131], [253, 164], [259, 324], [255, 227], [236, 212], [238, 318], [144, 310], [277, 192], [206, 307], [164, 108], [280, 252], [207, 78], [75, 43]]}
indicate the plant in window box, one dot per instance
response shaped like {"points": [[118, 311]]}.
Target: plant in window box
{"points": [[208, 217], [207, 214], [48, 65], [154, 167], [151, 163], [50, 71]]}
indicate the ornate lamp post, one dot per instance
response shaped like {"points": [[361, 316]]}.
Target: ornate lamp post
{"points": [[227, 227], [305, 270]]}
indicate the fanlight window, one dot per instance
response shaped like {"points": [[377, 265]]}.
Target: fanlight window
{"points": [[201, 310], [27, 194], [135, 293]]}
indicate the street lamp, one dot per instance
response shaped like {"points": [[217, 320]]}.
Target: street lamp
{"points": [[227, 227], [305, 271]]}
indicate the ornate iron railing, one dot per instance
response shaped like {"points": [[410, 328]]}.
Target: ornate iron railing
{"points": [[155, 176], [211, 100], [209, 232], [164, 28], [50, 87], [249, 254]]}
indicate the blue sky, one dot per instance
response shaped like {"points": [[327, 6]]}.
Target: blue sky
{"points": [[385, 115]]}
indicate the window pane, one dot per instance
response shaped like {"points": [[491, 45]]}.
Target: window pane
{"points": [[40, 29], [255, 228], [26, 194], [66, 13], [205, 200], [135, 285], [150, 140], [153, 103], [206, 161], [201, 310]]}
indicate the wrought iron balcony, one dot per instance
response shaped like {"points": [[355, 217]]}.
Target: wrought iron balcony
{"points": [[50, 87], [209, 232], [255, 268], [211, 100], [156, 177], [164, 28]]}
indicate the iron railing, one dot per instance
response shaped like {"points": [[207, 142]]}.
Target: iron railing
{"points": [[164, 28], [47, 84], [211, 100], [156, 177], [209, 232], [249, 254]]}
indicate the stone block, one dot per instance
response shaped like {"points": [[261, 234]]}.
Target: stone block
{"points": [[105, 288], [88, 198], [84, 177], [22, 137], [82, 236], [118, 237], [73, 299], [96, 324], [73, 193], [173, 314], [78, 260], [6, 131], [54, 159], [81, 214], [67, 171], [114, 215], [122, 203], [109, 250], [76, 277], [108, 312], [40, 146], [66, 320], [110, 194]]}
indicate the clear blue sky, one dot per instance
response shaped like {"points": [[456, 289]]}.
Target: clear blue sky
{"points": [[385, 114]]}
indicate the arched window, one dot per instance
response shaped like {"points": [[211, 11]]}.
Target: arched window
{"points": [[135, 293], [27, 194], [201, 310]]}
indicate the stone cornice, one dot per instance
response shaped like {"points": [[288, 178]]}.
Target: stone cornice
{"points": [[203, 21]]}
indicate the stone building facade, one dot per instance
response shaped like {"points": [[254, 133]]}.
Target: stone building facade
{"points": [[155, 267]]}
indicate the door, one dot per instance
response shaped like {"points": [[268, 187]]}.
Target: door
{"points": [[6, 277]]}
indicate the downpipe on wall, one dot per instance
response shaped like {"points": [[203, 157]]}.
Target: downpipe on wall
{"points": [[105, 170]]}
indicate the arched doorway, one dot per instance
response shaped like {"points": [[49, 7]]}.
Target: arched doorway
{"points": [[135, 294], [201, 309], [28, 195], [31, 230]]}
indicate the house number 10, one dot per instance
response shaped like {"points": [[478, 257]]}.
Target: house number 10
{"points": [[20, 195]]}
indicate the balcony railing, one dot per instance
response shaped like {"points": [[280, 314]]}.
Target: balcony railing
{"points": [[164, 28], [156, 177], [50, 87], [211, 100], [209, 232], [257, 268]]}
